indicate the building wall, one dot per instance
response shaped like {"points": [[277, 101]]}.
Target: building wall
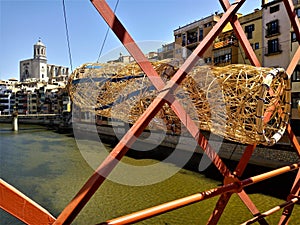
{"points": [[55, 72], [167, 51], [225, 49], [39, 69], [276, 29], [252, 20], [189, 36]]}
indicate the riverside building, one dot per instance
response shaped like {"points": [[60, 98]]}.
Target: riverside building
{"points": [[268, 30], [41, 89]]}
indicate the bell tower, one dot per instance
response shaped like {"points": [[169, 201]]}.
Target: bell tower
{"points": [[39, 50], [39, 61]]}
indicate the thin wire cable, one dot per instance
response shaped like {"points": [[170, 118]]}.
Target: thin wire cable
{"points": [[106, 34], [67, 35]]}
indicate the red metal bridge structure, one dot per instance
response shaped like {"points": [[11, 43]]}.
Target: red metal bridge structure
{"points": [[26, 210]]}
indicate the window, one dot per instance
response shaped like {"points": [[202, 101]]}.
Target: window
{"points": [[274, 8], [226, 58], [296, 75], [273, 46], [201, 34], [293, 37], [256, 45], [208, 24], [249, 31], [297, 12], [192, 37], [295, 99], [183, 39], [272, 28]]}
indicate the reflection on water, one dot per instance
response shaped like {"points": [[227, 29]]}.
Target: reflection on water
{"points": [[49, 168]]}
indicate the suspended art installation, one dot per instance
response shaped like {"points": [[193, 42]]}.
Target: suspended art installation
{"points": [[239, 102]]}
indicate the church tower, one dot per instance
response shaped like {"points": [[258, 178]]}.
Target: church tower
{"points": [[35, 68], [39, 61], [39, 50]]}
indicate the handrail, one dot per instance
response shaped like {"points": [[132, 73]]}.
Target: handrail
{"points": [[169, 206], [271, 211], [22, 207]]}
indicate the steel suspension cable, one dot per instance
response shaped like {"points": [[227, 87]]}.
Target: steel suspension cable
{"points": [[67, 34], [106, 34]]}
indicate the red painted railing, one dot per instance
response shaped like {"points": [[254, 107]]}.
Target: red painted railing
{"points": [[12, 198]]}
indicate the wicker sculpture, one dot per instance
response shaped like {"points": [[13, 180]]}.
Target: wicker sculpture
{"points": [[242, 103]]}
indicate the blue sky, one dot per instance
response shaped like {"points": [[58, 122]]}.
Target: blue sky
{"points": [[23, 22]]}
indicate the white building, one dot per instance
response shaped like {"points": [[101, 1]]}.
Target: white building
{"points": [[276, 34], [5, 96], [38, 68]]}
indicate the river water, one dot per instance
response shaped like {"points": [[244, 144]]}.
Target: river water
{"points": [[49, 168]]}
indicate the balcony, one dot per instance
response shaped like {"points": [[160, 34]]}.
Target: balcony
{"points": [[272, 29], [221, 44], [271, 33], [192, 40]]}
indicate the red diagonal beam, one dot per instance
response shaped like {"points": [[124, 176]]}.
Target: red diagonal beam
{"points": [[120, 31], [293, 139], [294, 62], [224, 198], [238, 30], [87, 191], [286, 214], [293, 17]]}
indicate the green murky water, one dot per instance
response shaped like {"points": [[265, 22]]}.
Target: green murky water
{"points": [[49, 168]]}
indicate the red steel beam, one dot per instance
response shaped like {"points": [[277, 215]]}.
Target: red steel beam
{"points": [[169, 206], [98, 177], [224, 198], [272, 211], [120, 31], [239, 31], [22, 207], [293, 17], [295, 191], [294, 62]]}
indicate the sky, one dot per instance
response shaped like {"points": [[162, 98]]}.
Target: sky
{"points": [[149, 22]]}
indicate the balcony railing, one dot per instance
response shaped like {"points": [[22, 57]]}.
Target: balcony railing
{"points": [[272, 32], [221, 44]]}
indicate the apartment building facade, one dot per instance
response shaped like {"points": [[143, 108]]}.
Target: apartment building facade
{"points": [[252, 26], [189, 36], [296, 75], [225, 48], [276, 34]]}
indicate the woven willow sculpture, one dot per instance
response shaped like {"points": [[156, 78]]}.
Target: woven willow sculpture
{"points": [[242, 103]]}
